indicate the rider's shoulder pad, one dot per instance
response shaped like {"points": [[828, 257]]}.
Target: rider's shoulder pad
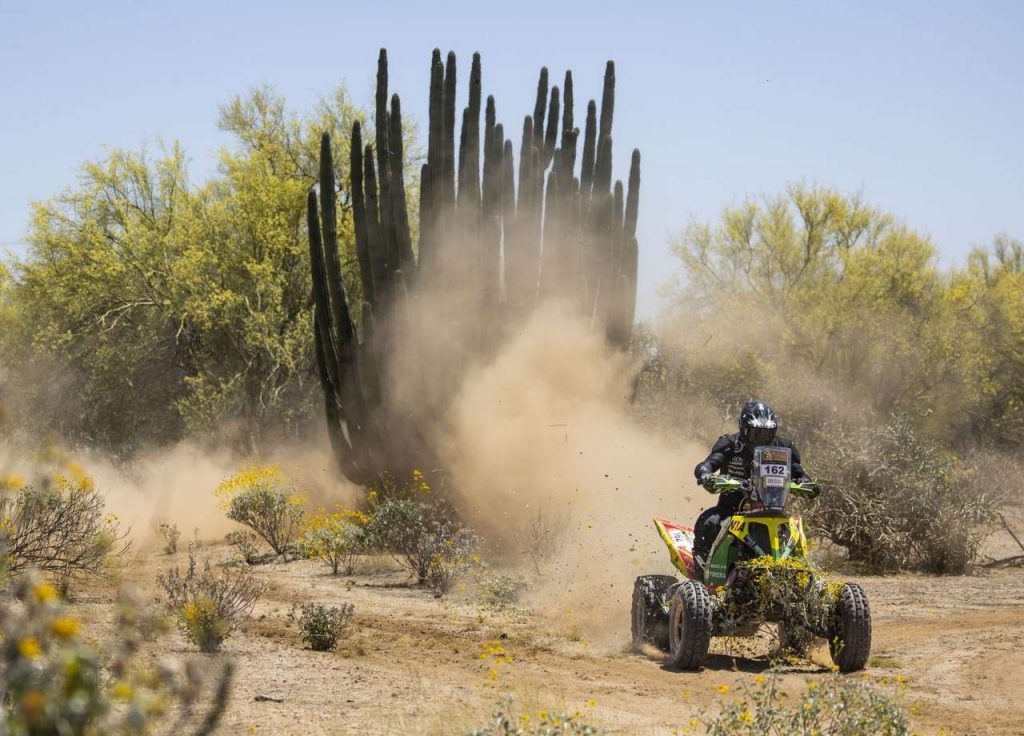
{"points": [[724, 443]]}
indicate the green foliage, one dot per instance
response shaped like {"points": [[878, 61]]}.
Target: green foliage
{"points": [[208, 605], [322, 626], [274, 514], [337, 539], [156, 304], [900, 382], [422, 532], [840, 285], [895, 500], [263, 499], [835, 706]]}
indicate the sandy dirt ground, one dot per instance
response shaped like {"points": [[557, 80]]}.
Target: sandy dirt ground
{"points": [[416, 664]]}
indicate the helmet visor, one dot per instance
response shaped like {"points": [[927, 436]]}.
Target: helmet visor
{"points": [[761, 435]]}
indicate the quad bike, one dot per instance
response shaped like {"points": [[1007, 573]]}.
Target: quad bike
{"points": [[757, 572]]}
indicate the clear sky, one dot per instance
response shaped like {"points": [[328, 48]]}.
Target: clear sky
{"points": [[916, 104]]}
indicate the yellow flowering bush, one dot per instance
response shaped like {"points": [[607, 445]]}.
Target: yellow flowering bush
{"points": [[59, 525], [51, 681], [834, 705], [337, 538], [795, 585], [262, 498], [56, 684], [508, 721], [209, 605]]}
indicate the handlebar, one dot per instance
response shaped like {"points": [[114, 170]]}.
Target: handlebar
{"points": [[724, 484], [807, 489]]}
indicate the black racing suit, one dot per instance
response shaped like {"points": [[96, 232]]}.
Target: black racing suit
{"points": [[732, 457]]}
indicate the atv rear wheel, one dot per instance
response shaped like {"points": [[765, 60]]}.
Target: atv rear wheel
{"points": [[850, 643], [689, 626], [650, 611]]}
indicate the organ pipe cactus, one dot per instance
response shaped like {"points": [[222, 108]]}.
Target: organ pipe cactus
{"points": [[489, 248]]}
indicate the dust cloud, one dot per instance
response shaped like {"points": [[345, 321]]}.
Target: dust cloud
{"points": [[176, 484], [544, 431]]}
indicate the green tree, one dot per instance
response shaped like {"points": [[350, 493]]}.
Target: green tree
{"points": [[990, 293], [817, 281], [149, 305]]}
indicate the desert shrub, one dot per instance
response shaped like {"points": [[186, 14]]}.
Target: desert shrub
{"points": [[540, 534], [834, 706], [425, 537], [894, 500], [322, 626], [455, 551], [500, 589], [246, 544], [337, 539], [170, 534], [208, 605], [56, 684], [508, 721], [60, 527], [263, 499]]}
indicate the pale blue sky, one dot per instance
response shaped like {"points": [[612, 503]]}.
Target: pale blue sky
{"points": [[917, 104]]}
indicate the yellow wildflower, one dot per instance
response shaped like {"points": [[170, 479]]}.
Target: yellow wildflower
{"points": [[759, 679], [590, 703], [29, 648], [122, 690], [65, 627], [45, 593], [12, 482], [746, 716], [32, 702], [76, 471], [723, 689]]}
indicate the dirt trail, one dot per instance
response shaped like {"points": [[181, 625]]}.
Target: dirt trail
{"points": [[414, 665]]}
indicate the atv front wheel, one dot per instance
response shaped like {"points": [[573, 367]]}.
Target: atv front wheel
{"points": [[850, 643], [650, 612], [689, 626]]}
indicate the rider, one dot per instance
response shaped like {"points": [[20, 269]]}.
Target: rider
{"points": [[732, 455]]}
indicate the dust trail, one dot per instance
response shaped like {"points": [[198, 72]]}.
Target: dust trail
{"points": [[546, 426], [176, 484]]}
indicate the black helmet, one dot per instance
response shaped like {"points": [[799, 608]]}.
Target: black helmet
{"points": [[758, 424]]}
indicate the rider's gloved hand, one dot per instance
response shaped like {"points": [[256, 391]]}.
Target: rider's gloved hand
{"points": [[708, 481], [809, 487]]}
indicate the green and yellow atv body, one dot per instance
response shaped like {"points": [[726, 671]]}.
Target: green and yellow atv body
{"points": [[757, 572]]}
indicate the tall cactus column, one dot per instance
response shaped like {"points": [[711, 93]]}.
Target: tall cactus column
{"points": [[496, 238]]}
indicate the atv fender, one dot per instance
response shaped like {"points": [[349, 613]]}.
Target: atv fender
{"points": [[679, 540]]}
